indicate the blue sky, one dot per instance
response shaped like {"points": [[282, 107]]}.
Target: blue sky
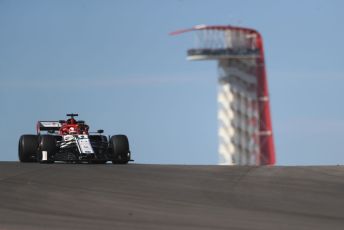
{"points": [[114, 63]]}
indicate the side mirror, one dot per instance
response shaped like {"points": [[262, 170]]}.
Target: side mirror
{"points": [[100, 131]]}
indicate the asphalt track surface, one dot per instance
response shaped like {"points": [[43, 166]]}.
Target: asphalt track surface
{"points": [[67, 196]]}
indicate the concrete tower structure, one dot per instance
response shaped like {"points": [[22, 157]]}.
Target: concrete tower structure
{"points": [[245, 129]]}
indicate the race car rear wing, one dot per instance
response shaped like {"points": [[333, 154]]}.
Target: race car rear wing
{"points": [[49, 126]]}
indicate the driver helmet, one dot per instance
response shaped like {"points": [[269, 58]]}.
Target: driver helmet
{"points": [[72, 130]]}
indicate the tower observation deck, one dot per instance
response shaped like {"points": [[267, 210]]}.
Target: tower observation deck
{"points": [[245, 129]]}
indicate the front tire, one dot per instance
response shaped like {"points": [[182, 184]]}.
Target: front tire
{"points": [[119, 145], [27, 148]]}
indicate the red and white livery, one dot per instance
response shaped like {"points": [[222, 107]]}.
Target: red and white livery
{"points": [[71, 141]]}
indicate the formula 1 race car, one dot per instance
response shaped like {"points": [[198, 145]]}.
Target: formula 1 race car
{"points": [[70, 141]]}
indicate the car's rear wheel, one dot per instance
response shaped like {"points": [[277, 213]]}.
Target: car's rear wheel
{"points": [[120, 149], [47, 145], [27, 148]]}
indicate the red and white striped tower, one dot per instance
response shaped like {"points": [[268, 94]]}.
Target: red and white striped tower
{"points": [[245, 129]]}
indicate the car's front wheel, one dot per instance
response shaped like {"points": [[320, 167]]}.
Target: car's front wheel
{"points": [[27, 148], [119, 145]]}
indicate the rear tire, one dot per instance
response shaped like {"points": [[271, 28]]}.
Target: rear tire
{"points": [[120, 149], [47, 143], [27, 148]]}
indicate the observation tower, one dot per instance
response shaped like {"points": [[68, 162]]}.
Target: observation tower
{"points": [[245, 129]]}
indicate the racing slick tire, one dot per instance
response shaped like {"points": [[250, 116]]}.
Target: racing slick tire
{"points": [[47, 143], [120, 149], [27, 148]]}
